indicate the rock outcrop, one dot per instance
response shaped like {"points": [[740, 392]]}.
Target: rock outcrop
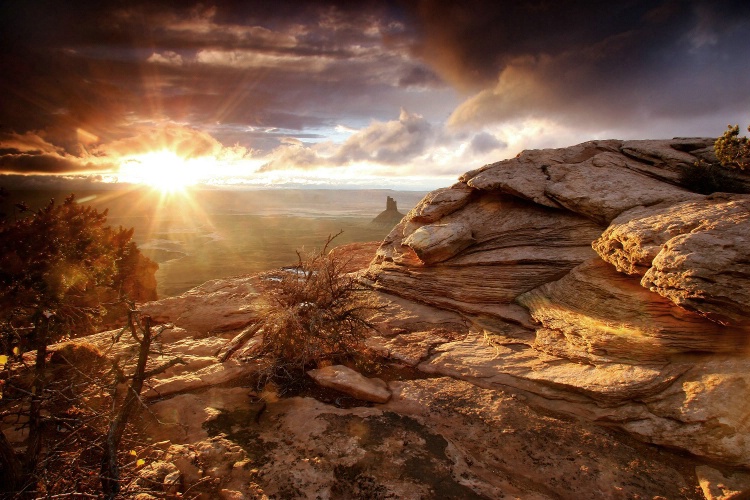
{"points": [[390, 216], [596, 282], [694, 253]]}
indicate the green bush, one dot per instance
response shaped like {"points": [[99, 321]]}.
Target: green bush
{"points": [[732, 150]]}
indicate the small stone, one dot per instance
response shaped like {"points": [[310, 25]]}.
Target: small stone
{"points": [[348, 381]]}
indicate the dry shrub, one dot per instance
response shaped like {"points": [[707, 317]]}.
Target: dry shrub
{"points": [[316, 313]]}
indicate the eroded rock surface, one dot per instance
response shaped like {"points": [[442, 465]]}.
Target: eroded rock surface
{"points": [[517, 246], [638, 334], [596, 314], [215, 306], [694, 253]]}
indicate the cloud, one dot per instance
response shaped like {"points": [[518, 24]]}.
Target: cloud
{"points": [[404, 147], [167, 57], [30, 153], [591, 66], [45, 163], [184, 141], [420, 77], [293, 155], [94, 82], [392, 142], [485, 142], [27, 142]]}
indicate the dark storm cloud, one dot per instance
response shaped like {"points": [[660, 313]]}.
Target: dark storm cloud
{"points": [[42, 163], [606, 63], [30, 153], [420, 77]]}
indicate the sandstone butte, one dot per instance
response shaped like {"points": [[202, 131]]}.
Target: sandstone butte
{"points": [[570, 323]]}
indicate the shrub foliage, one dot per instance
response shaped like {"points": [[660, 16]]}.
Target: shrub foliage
{"points": [[733, 150], [61, 269], [316, 313]]}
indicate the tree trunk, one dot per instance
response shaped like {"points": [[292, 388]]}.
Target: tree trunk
{"points": [[110, 472], [10, 466], [34, 447]]}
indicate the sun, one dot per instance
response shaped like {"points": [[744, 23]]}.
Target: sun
{"points": [[163, 170]]}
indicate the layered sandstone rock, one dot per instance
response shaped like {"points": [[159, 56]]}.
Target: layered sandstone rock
{"points": [[516, 247], [694, 253], [649, 331]]}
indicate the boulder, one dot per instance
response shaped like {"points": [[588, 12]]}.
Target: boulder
{"points": [[439, 242], [348, 381]]}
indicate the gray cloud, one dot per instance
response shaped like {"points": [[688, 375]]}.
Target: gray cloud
{"points": [[591, 64], [391, 142], [43, 163], [483, 143]]}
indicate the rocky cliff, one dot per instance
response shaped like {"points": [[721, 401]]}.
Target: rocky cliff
{"points": [[570, 323]]}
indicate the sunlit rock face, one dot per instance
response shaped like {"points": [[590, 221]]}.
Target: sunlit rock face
{"points": [[506, 246], [597, 283], [694, 253]]}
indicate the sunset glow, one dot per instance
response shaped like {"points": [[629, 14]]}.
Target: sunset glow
{"points": [[334, 94], [163, 170]]}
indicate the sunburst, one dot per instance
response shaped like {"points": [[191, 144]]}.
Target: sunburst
{"points": [[163, 170]]}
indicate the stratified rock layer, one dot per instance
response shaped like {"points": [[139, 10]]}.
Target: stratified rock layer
{"points": [[694, 253], [516, 247], [648, 332]]}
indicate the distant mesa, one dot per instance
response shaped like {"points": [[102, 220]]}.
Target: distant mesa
{"points": [[390, 216]]}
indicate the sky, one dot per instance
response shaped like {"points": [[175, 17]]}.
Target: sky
{"points": [[388, 94]]}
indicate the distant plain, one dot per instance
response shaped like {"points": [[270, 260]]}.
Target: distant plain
{"points": [[209, 234]]}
